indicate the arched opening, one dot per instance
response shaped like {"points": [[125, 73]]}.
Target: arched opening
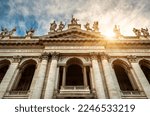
{"points": [[25, 77], [74, 72], [145, 66], [122, 77], [74, 75], [4, 65]]}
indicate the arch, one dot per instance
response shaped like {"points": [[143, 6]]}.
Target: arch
{"points": [[123, 75], [74, 72], [4, 65], [145, 66], [74, 61], [25, 76]]}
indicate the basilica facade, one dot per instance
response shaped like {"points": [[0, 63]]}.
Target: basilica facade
{"points": [[75, 64]]}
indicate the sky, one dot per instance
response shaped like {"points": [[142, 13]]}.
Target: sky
{"points": [[38, 14]]}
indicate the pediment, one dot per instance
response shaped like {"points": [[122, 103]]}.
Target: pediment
{"points": [[74, 33]]}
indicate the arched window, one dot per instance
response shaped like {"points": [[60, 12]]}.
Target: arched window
{"points": [[25, 77], [122, 76], [145, 66], [4, 65], [74, 73]]}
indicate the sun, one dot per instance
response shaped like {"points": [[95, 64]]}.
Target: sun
{"points": [[109, 34]]}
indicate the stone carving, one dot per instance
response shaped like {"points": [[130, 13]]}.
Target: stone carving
{"points": [[104, 56], [93, 55], [145, 32], [132, 58], [44, 55], [30, 32], [87, 26], [137, 32], [74, 20], [6, 33], [95, 26], [116, 30], [61, 26], [53, 26], [17, 58], [55, 55]]}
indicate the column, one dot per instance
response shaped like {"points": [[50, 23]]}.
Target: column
{"points": [[85, 77], [51, 77], [138, 84], [57, 80], [9, 75], [92, 79], [64, 77], [37, 91], [140, 75], [112, 90], [97, 77]]}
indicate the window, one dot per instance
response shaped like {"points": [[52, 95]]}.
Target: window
{"points": [[25, 77], [4, 65], [145, 66], [74, 75], [123, 76]]}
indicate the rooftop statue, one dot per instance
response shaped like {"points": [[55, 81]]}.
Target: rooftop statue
{"points": [[53, 26], [5, 32], [74, 20], [145, 32], [61, 26], [95, 26], [87, 26], [116, 30], [30, 32], [137, 32], [11, 32]]}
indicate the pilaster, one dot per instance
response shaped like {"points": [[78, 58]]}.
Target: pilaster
{"points": [[97, 77], [51, 76]]}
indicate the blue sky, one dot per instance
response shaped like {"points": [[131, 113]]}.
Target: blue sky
{"points": [[38, 14]]}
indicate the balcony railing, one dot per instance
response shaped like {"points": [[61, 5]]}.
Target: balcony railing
{"points": [[132, 93], [74, 87], [18, 92]]}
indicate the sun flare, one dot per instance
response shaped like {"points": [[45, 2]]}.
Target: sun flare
{"points": [[109, 34]]}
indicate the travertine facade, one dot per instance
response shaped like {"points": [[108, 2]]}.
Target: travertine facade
{"points": [[74, 63]]}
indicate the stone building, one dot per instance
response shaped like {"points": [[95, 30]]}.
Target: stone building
{"points": [[74, 63]]}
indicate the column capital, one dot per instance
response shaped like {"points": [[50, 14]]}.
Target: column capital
{"points": [[132, 58], [104, 56], [94, 55], [16, 59], [44, 56], [54, 55]]}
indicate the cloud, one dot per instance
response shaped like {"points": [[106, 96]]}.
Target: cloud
{"points": [[25, 14]]}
